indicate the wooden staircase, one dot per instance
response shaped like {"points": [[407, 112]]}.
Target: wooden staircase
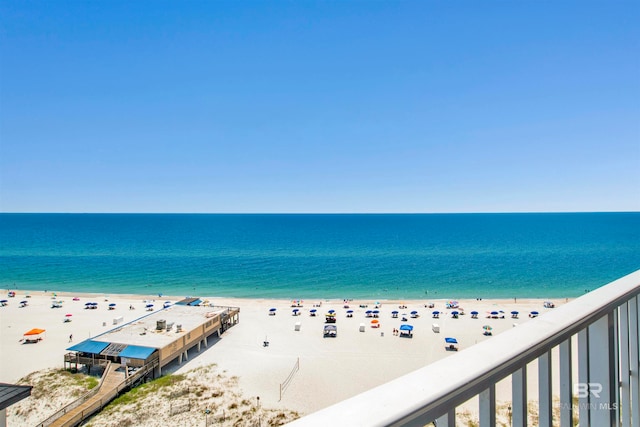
{"points": [[109, 388]]}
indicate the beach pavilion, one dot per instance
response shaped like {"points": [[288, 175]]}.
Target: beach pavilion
{"points": [[156, 339]]}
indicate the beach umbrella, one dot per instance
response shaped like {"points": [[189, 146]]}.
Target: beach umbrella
{"points": [[414, 312], [514, 312], [394, 312], [374, 321], [436, 312], [313, 310], [451, 341], [494, 313], [369, 311], [272, 309], [331, 311], [113, 304], [149, 305], [406, 327], [349, 311], [376, 311], [24, 302], [475, 313]]}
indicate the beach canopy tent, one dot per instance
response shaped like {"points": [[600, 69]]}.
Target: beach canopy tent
{"points": [[452, 343], [474, 314], [406, 330], [514, 314], [34, 335], [436, 314], [455, 314], [394, 314], [312, 312], [330, 330]]}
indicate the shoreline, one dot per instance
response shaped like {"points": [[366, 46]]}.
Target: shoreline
{"points": [[330, 369]]}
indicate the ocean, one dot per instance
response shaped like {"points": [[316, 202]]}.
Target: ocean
{"points": [[326, 256]]}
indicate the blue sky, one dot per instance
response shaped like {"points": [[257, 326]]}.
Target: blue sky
{"points": [[319, 106]]}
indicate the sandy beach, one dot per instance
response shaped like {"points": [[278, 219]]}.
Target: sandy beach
{"points": [[330, 369]]}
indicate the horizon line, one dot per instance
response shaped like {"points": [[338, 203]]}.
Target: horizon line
{"points": [[310, 213]]}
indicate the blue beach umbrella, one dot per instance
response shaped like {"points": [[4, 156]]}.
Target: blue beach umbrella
{"points": [[376, 311], [149, 305], [313, 310], [436, 312], [451, 341], [414, 312], [331, 311], [272, 309], [349, 311], [475, 312], [494, 313], [395, 312], [406, 327], [113, 304]]}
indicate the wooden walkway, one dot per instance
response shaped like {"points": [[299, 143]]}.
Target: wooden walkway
{"points": [[108, 390]]}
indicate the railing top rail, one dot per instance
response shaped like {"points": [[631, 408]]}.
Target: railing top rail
{"points": [[430, 391]]}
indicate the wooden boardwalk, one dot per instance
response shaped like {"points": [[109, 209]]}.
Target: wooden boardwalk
{"points": [[111, 385]]}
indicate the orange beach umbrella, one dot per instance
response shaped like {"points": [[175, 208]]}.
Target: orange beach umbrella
{"points": [[35, 331]]}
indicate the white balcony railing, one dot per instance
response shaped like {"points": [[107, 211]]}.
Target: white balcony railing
{"points": [[597, 333]]}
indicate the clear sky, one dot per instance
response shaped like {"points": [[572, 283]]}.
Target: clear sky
{"points": [[319, 106]]}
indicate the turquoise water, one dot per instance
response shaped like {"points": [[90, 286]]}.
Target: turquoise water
{"points": [[381, 256]]}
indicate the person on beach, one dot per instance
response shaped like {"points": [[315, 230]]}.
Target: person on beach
{"points": [[70, 337]]}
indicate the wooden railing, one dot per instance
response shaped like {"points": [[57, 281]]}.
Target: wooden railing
{"points": [[100, 403]]}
